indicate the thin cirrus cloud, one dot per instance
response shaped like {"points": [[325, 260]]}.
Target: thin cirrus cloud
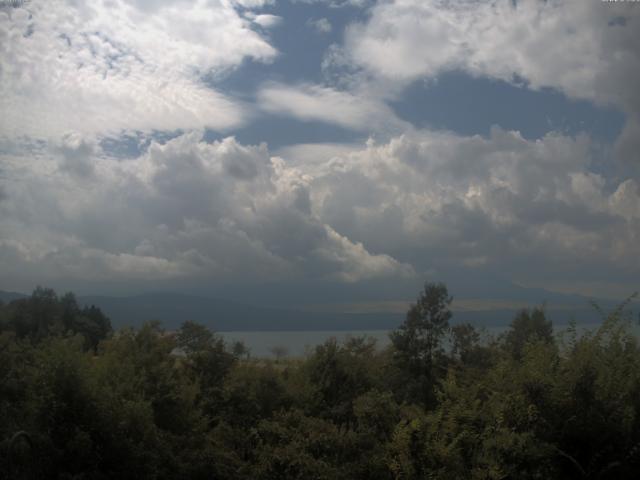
{"points": [[320, 25], [267, 20], [311, 102], [102, 67]]}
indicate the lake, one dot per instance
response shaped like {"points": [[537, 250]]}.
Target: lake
{"points": [[297, 343]]}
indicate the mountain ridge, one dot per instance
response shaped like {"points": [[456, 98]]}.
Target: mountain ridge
{"points": [[223, 315]]}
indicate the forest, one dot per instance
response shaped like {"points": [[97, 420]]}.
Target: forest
{"points": [[79, 400]]}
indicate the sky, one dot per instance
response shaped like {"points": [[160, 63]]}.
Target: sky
{"points": [[319, 151]]}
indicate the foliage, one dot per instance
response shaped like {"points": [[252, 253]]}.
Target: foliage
{"points": [[526, 327], [417, 344], [79, 401], [44, 314]]}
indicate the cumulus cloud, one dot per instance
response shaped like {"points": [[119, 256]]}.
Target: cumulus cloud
{"points": [[587, 50], [597, 59], [77, 154], [413, 203], [101, 67], [441, 201], [627, 145], [420, 203], [310, 154], [184, 209]]}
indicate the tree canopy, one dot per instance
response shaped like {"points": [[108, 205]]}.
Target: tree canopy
{"points": [[78, 401]]}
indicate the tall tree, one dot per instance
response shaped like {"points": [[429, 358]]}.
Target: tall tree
{"points": [[418, 341], [528, 326]]}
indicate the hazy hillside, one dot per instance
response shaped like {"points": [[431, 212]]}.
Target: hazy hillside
{"points": [[223, 315], [10, 296]]}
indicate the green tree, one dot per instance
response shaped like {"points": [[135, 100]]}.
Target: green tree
{"points": [[417, 343], [465, 339], [528, 326], [44, 314], [207, 361], [338, 375]]}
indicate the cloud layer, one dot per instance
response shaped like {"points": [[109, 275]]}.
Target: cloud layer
{"points": [[100, 67], [184, 209], [325, 104], [80, 81], [224, 211], [584, 49]]}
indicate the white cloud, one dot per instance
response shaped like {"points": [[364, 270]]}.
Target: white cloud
{"points": [[253, 3], [77, 155], [100, 67], [587, 50], [310, 154], [626, 199], [314, 102], [529, 208], [267, 21], [356, 263], [571, 46], [421, 203], [321, 25], [338, 3], [184, 209]]}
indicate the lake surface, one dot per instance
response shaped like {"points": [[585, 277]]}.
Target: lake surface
{"points": [[298, 343]]}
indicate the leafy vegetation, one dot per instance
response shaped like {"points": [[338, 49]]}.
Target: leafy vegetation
{"points": [[80, 401]]}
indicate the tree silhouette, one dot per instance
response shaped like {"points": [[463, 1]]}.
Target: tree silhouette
{"points": [[418, 341]]}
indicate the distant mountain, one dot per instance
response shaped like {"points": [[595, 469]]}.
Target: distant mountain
{"points": [[172, 309], [7, 297], [222, 315]]}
